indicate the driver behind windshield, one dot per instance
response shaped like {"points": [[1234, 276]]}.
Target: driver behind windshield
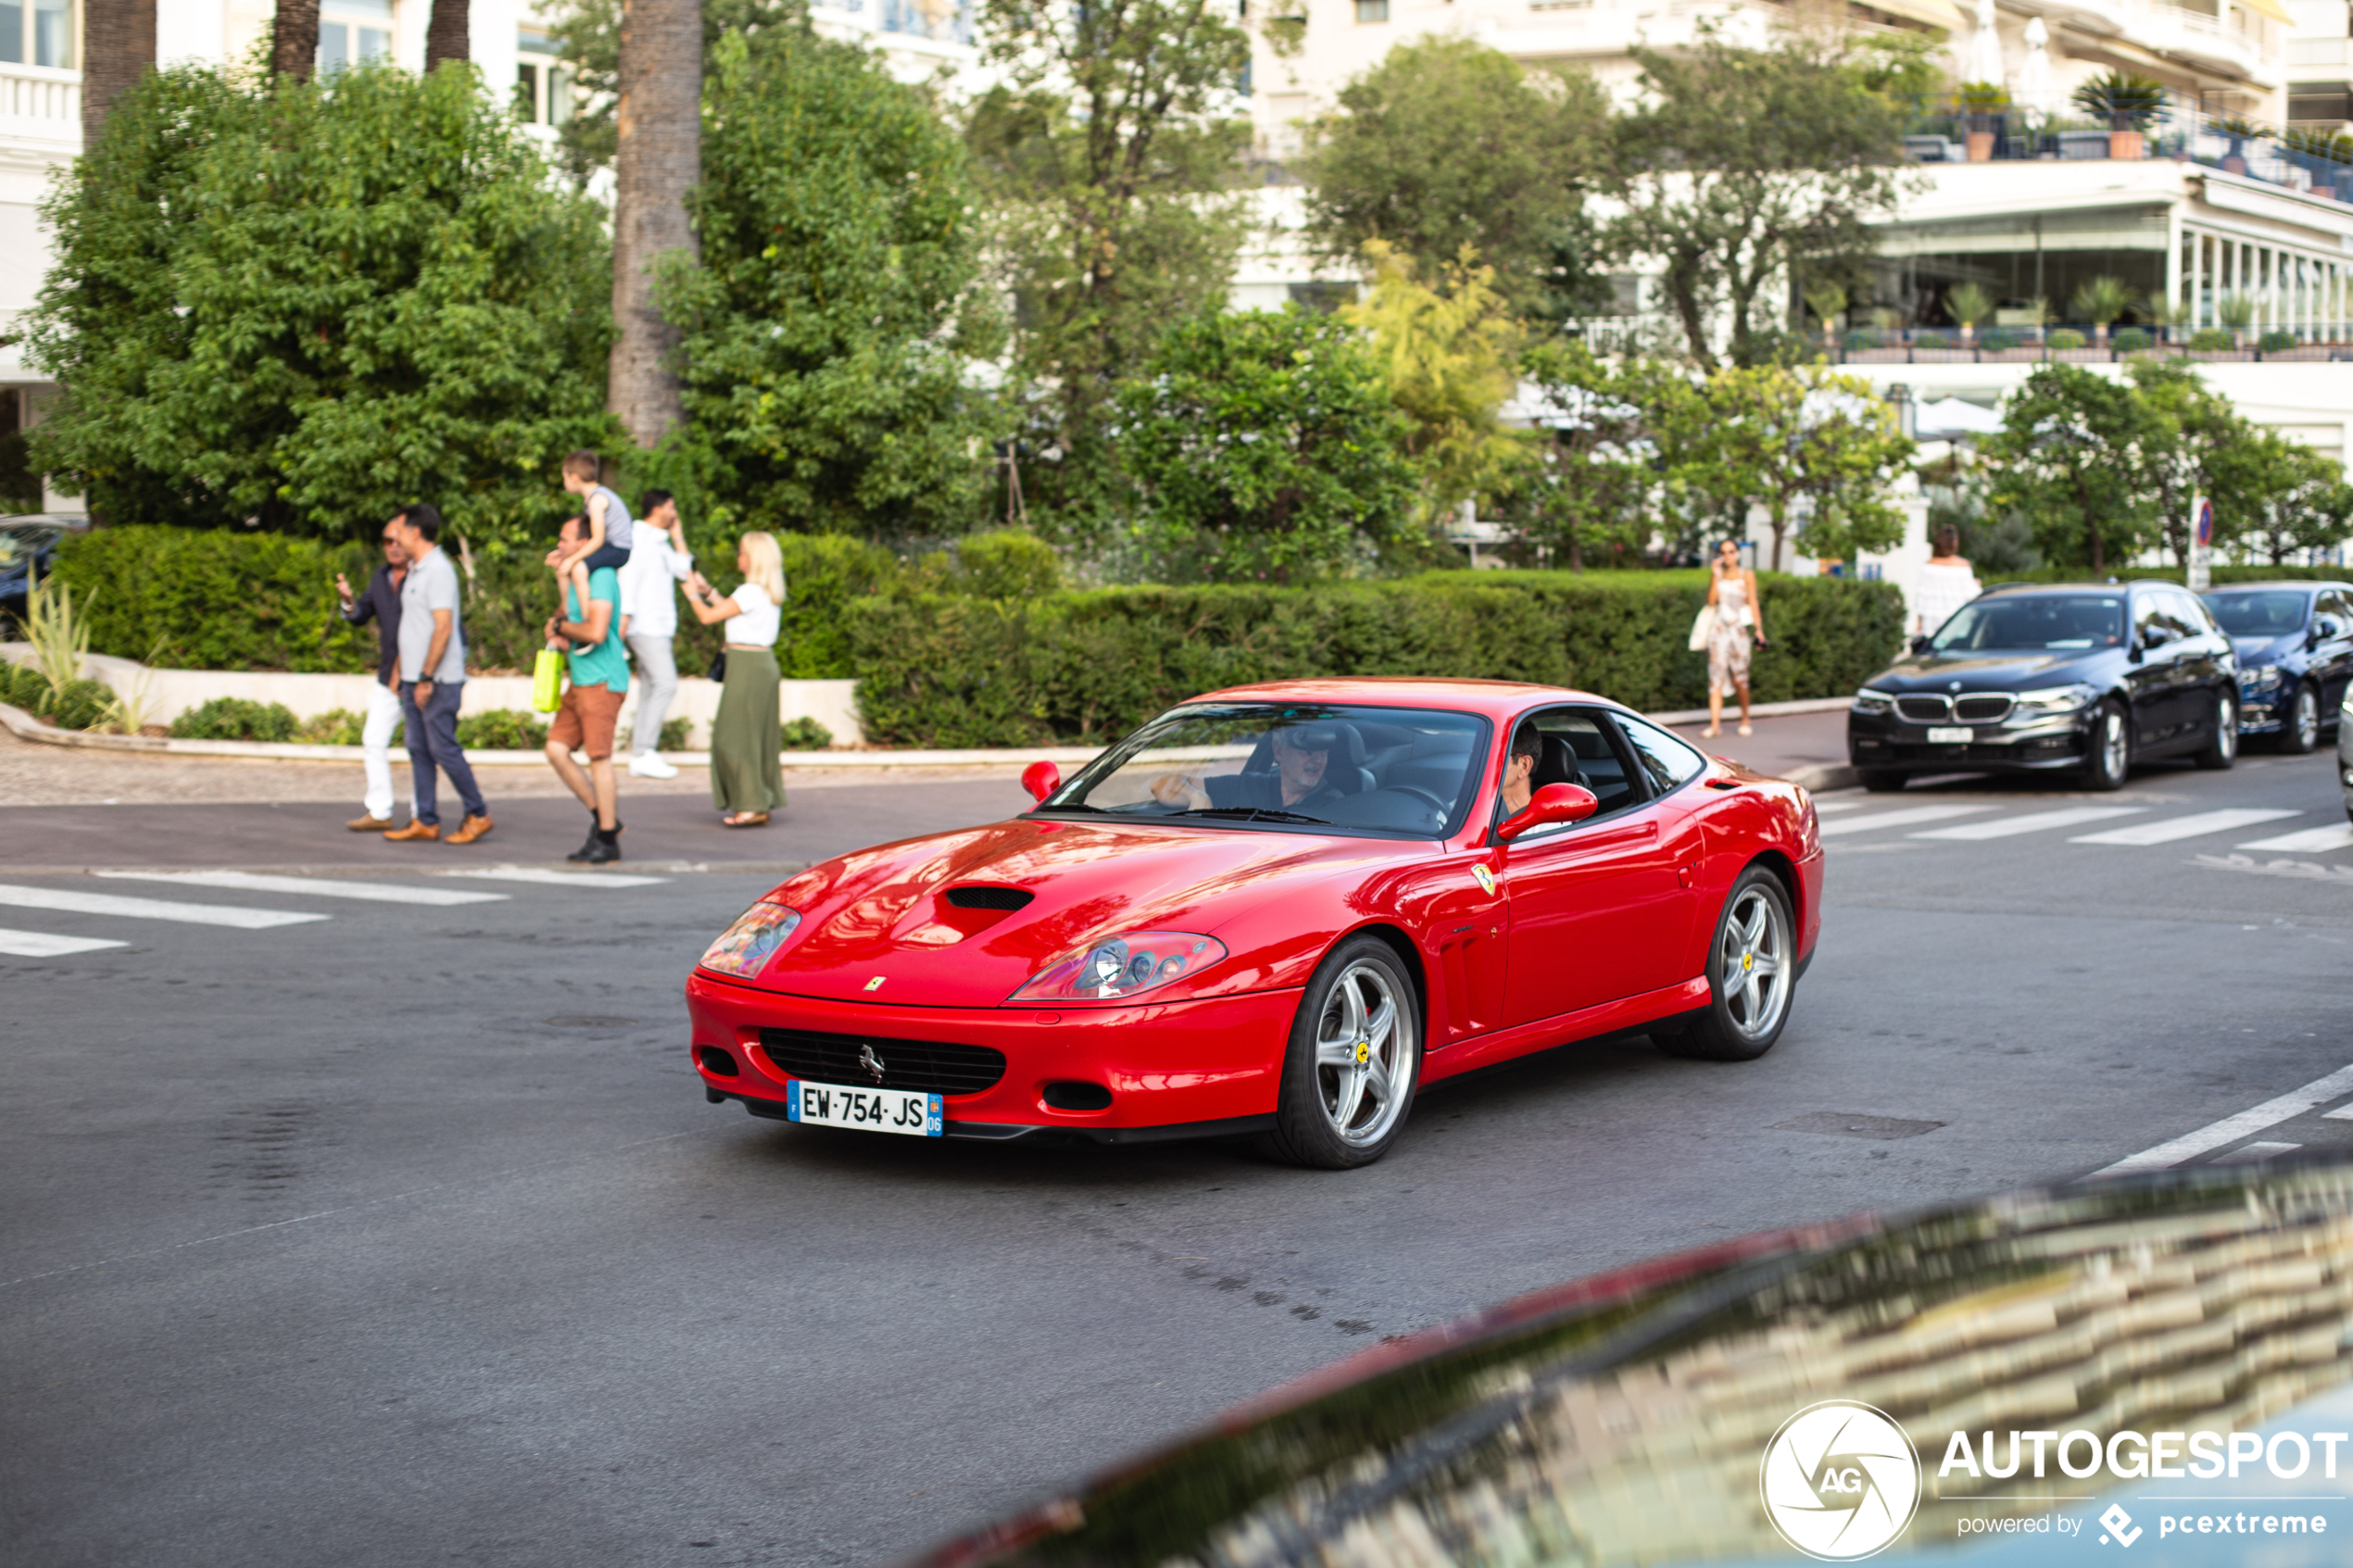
{"points": [[1519, 769], [1297, 783]]}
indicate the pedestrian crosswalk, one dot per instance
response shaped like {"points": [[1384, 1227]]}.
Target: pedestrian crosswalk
{"points": [[2150, 826], [21, 944]]}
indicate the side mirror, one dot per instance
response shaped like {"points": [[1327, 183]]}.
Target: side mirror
{"points": [[2324, 630], [1041, 779], [1554, 803], [1922, 644]]}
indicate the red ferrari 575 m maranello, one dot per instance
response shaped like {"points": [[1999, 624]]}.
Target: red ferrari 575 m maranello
{"points": [[1278, 910]]}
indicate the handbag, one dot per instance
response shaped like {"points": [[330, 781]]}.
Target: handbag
{"points": [[1703, 627], [546, 681], [718, 671]]}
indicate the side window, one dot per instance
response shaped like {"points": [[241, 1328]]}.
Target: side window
{"points": [[2152, 627], [1576, 748], [2192, 613], [1664, 761], [2336, 604]]}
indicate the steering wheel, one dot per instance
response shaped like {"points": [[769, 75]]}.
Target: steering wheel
{"points": [[1418, 793]]}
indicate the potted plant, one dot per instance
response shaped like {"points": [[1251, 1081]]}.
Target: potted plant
{"points": [[2101, 301], [1983, 102], [1967, 304], [1827, 301], [2239, 132], [2324, 155], [2128, 101], [2237, 311]]}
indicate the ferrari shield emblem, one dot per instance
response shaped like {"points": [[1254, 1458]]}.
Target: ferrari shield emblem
{"points": [[1486, 878], [876, 984]]}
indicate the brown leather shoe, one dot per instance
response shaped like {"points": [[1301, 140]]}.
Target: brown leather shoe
{"points": [[469, 830], [415, 830], [370, 825]]}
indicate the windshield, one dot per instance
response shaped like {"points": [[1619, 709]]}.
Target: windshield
{"points": [[2034, 621], [2272, 614], [1301, 766]]}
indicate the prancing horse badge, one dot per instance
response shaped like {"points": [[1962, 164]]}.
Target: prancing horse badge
{"points": [[1486, 878]]}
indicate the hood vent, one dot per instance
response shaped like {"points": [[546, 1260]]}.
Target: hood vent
{"points": [[1005, 898]]}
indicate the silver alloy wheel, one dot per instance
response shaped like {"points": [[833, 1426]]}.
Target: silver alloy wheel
{"points": [[2306, 719], [1365, 1059], [1752, 965], [2113, 757], [2226, 728]]}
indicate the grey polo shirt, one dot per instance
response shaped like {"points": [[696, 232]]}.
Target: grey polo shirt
{"points": [[432, 584]]}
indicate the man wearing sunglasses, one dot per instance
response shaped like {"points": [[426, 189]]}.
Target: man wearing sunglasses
{"points": [[382, 604]]}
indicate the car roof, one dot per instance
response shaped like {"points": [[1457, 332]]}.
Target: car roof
{"points": [[2314, 583], [1493, 699], [2078, 587]]}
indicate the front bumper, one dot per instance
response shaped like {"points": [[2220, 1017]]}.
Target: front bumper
{"points": [[2034, 745], [1179, 1069]]}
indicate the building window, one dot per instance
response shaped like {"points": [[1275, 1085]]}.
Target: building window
{"points": [[945, 21], [37, 32], [543, 84], [1372, 10], [352, 32]]}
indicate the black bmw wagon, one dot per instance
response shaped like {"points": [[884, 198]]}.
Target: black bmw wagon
{"points": [[2073, 679]]}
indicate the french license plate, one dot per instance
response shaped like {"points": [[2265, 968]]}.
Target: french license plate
{"points": [[1951, 735], [870, 1110]]}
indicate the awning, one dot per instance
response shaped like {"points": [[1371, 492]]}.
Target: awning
{"points": [[2272, 8], [1937, 13], [1950, 417]]}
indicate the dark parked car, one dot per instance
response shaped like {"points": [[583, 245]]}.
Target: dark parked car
{"points": [[2344, 752], [1852, 1387], [2295, 642], [2077, 678], [27, 544]]}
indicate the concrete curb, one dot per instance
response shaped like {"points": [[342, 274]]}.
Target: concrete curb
{"points": [[1761, 710]]}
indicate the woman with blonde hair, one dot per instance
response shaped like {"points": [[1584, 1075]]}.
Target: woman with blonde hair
{"points": [[746, 780]]}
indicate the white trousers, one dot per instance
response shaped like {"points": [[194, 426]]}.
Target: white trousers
{"points": [[375, 751]]}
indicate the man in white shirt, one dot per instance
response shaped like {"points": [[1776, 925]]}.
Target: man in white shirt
{"points": [[648, 622]]}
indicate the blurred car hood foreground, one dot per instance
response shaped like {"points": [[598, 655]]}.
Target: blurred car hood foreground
{"points": [[1841, 1389]]}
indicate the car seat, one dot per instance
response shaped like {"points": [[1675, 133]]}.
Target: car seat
{"points": [[1557, 763]]}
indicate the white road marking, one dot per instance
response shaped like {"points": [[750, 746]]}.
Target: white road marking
{"points": [[559, 879], [370, 891], [2198, 824], [148, 908], [2254, 1153], [41, 945], [1821, 804], [2341, 1114], [2230, 1129], [1900, 819], [2310, 841], [2033, 821]]}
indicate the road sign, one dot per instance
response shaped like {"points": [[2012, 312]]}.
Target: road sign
{"points": [[2201, 573]]}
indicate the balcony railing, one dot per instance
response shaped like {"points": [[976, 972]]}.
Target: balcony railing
{"points": [[2079, 346], [41, 103], [2309, 162]]}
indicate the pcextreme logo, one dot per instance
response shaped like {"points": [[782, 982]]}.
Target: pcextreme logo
{"points": [[1840, 1480]]}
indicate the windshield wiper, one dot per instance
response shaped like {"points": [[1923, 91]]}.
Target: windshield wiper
{"points": [[1255, 814]]}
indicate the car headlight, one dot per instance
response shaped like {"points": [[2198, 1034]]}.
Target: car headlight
{"points": [[1121, 966], [1869, 701], [746, 946], [2262, 678], [2058, 700]]}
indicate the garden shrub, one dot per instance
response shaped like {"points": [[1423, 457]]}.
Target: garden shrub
{"points": [[24, 686], [79, 704], [339, 726], [2133, 340], [2211, 340], [214, 598], [2067, 338], [2273, 342], [806, 734], [236, 718], [502, 728]]}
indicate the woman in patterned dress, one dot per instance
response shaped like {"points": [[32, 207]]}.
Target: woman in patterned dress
{"points": [[1739, 626]]}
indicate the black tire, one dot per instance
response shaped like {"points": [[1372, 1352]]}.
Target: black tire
{"points": [[1740, 1023], [1318, 1122], [2300, 725], [2107, 751], [2224, 749], [1882, 780]]}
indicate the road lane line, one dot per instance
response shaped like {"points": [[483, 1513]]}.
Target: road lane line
{"points": [[375, 893], [559, 879], [149, 908], [2255, 1153], [2310, 841], [2033, 821], [2195, 825], [1821, 804], [41, 945], [2230, 1129], [1899, 818], [2341, 1114]]}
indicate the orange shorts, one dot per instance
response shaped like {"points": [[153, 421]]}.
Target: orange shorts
{"points": [[585, 721]]}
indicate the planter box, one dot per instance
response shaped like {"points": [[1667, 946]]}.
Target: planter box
{"points": [[1943, 355], [2012, 356], [2080, 355], [1878, 356]]}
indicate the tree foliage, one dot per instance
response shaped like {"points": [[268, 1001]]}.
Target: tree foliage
{"points": [[587, 38], [2078, 454], [1447, 142], [1109, 153], [1596, 466], [1815, 449], [1742, 167], [1265, 446], [308, 308], [827, 328]]}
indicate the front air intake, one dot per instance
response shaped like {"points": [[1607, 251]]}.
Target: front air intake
{"points": [[986, 897], [865, 1062]]}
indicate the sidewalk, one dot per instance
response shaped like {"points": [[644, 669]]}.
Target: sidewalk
{"points": [[1809, 748]]}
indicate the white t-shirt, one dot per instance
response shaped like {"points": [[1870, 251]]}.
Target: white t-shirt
{"points": [[757, 619], [647, 597], [1942, 590]]}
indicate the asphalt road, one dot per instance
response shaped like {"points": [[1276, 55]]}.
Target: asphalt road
{"points": [[405, 1235]]}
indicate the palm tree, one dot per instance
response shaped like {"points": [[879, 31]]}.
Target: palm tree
{"points": [[1969, 304], [117, 45], [2100, 301], [446, 34], [293, 41], [658, 160]]}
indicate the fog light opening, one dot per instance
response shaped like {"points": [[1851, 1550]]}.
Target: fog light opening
{"points": [[1073, 1095], [717, 1062]]}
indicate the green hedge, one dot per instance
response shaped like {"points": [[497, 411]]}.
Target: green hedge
{"points": [[946, 670]]}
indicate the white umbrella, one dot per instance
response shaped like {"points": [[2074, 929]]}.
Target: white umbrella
{"points": [[2036, 90], [1950, 417], [1986, 46]]}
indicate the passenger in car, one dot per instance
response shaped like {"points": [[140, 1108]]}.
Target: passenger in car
{"points": [[1519, 767], [1297, 783]]}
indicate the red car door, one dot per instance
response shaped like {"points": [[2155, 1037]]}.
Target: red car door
{"points": [[1598, 909]]}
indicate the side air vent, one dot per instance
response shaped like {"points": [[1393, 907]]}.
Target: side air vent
{"points": [[982, 897]]}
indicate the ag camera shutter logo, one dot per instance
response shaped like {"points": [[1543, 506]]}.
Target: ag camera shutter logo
{"points": [[1840, 1480]]}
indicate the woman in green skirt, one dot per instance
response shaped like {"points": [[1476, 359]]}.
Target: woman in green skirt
{"points": [[746, 781]]}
